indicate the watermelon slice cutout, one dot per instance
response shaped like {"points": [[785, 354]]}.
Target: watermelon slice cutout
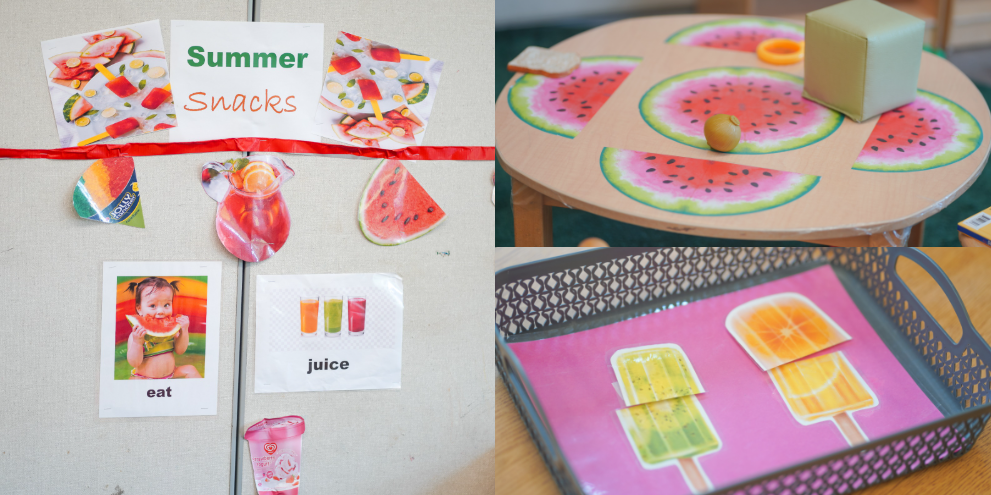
{"points": [[740, 34], [695, 186], [394, 207], [773, 115], [928, 133], [564, 105]]}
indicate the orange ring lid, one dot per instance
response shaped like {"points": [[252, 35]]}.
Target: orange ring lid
{"points": [[781, 51]]}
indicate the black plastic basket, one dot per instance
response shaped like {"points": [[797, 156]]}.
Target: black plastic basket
{"points": [[542, 297]]}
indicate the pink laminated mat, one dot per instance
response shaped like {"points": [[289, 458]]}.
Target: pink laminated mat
{"points": [[573, 379]]}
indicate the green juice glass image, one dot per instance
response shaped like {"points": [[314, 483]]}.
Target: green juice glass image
{"points": [[333, 310]]}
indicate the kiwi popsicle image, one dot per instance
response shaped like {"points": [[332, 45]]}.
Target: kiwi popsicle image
{"points": [[654, 372]]}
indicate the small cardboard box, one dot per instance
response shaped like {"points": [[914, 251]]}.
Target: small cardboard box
{"points": [[977, 227], [862, 57]]}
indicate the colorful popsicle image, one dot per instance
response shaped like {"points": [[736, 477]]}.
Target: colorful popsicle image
{"points": [[308, 309], [344, 65], [673, 431], [825, 388], [114, 130], [370, 92], [356, 316], [333, 308], [389, 54], [781, 328], [156, 97], [119, 85], [653, 373]]}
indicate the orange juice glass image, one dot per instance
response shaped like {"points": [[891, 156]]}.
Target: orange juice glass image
{"points": [[824, 388], [781, 328], [309, 308]]}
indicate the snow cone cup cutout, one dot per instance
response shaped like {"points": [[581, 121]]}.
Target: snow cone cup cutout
{"points": [[252, 216], [276, 454]]}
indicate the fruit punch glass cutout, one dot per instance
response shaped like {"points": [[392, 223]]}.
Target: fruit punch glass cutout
{"points": [[395, 208], [930, 132], [740, 34], [781, 328], [769, 105], [564, 105], [824, 388], [695, 186], [252, 217], [673, 431]]}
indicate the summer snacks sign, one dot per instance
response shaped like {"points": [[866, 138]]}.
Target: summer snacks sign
{"points": [[234, 79]]}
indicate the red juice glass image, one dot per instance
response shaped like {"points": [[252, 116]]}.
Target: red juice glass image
{"points": [[356, 315], [276, 447]]}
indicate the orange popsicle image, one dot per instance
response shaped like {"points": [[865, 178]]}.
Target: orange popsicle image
{"points": [[781, 328], [825, 388]]}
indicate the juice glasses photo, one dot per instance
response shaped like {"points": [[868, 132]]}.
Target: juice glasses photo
{"points": [[308, 310], [333, 310], [356, 315]]}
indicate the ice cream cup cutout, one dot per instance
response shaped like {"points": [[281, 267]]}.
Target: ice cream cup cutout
{"points": [[252, 217], [781, 51], [276, 447]]}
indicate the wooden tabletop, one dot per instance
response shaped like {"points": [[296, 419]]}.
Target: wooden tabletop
{"points": [[521, 471], [845, 203]]}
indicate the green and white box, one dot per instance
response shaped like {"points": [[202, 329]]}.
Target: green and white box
{"points": [[862, 57]]}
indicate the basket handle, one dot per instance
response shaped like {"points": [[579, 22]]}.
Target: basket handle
{"points": [[930, 266]]}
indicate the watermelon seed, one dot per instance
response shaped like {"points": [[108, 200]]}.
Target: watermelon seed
{"points": [[392, 182], [610, 79], [874, 148], [767, 85], [564, 100], [670, 161], [399, 215], [384, 205], [415, 217], [706, 100], [713, 85], [673, 175], [777, 112], [933, 120], [587, 106], [775, 130], [678, 166], [748, 91], [729, 183], [882, 140], [385, 218], [746, 172], [792, 122], [382, 192], [753, 184], [922, 143], [899, 149], [897, 111], [727, 189], [573, 78], [650, 158], [729, 83], [692, 92], [560, 110], [765, 99], [687, 101], [914, 134], [756, 132], [651, 169], [407, 221], [921, 109], [584, 102], [668, 181], [751, 83], [930, 137], [765, 91], [710, 181], [788, 93], [691, 178], [618, 72], [601, 83], [909, 141], [708, 190], [583, 79], [694, 121], [732, 173], [718, 98], [768, 174], [921, 119], [553, 99], [595, 72], [560, 84], [684, 187], [430, 210], [890, 136], [901, 116], [771, 123], [795, 102], [768, 115], [707, 112], [580, 115], [553, 92], [936, 128], [775, 102], [753, 124], [797, 112], [687, 110]]}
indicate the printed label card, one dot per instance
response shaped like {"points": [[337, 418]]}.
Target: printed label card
{"points": [[237, 79], [328, 332], [159, 339], [108, 84], [376, 96]]}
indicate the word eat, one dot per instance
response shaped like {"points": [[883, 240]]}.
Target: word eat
{"points": [[160, 393], [244, 59]]}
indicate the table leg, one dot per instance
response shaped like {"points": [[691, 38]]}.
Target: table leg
{"points": [[898, 238], [531, 217]]}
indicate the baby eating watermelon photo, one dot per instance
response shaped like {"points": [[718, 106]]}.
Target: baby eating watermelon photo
{"points": [[160, 331]]}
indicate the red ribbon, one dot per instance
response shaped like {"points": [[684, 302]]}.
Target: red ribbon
{"points": [[94, 151]]}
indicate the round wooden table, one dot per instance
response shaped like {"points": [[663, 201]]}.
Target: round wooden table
{"points": [[847, 208]]}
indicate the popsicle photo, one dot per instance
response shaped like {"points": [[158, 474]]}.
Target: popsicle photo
{"points": [[109, 84], [376, 95], [781, 328], [825, 388], [653, 373]]}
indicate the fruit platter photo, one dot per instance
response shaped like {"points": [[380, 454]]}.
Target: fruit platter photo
{"points": [[109, 83]]}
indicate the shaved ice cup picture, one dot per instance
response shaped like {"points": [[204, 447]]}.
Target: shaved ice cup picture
{"points": [[928, 133], [564, 105], [252, 216], [108, 192], [166, 352], [276, 448], [109, 83], [665, 424], [375, 95], [695, 186], [769, 105], [740, 34]]}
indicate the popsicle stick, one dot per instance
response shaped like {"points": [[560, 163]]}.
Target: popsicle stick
{"points": [[331, 69], [106, 73], [693, 475], [414, 57], [375, 106], [849, 428], [94, 139], [168, 87]]}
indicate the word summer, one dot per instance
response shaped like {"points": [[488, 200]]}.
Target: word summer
{"points": [[241, 103], [326, 365], [244, 59]]}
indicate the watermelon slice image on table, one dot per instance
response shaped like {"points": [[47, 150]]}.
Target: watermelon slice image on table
{"points": [[741, 34], [394, 207], [700, 187], [564, 105], [773, 115], [930, 132]]}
